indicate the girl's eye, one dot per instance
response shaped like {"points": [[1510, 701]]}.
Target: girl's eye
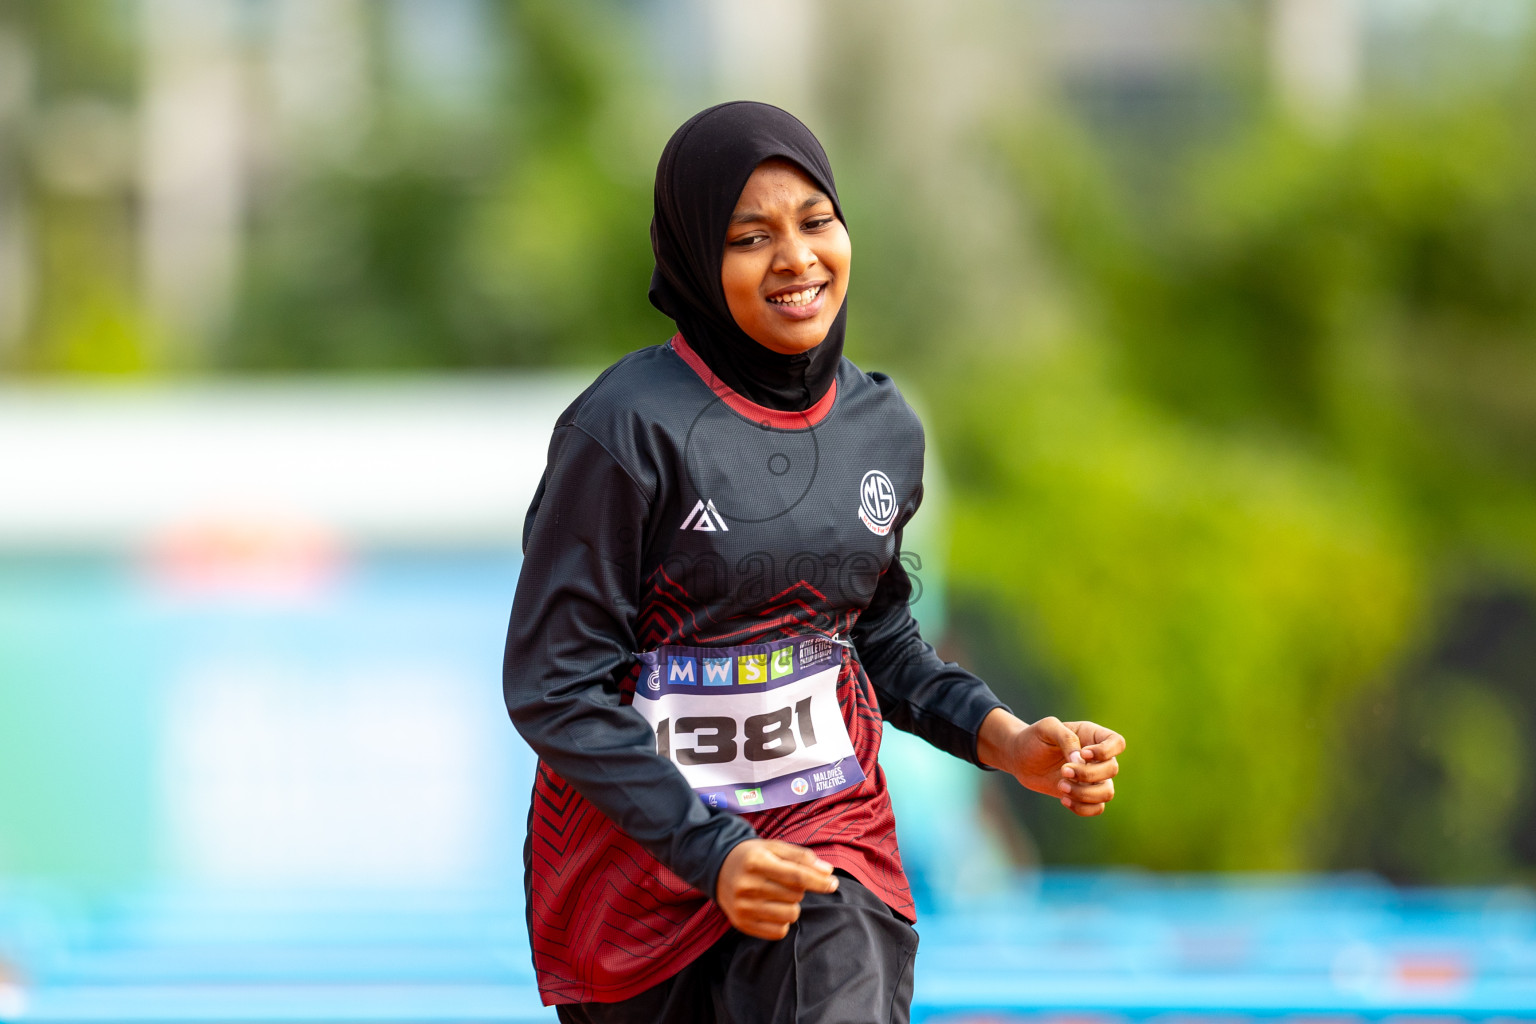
{"points": [[818, 222], [744, 242]]}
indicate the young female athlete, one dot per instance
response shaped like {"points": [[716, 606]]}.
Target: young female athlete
{"points": [[711, 625]]}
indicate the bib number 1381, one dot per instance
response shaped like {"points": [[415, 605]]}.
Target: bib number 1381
{"points": [[714, 738]]}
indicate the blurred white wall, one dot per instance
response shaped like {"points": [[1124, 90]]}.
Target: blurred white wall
{"points": [[421, 464]]}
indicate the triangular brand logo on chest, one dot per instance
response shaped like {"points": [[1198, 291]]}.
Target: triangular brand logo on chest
{"points": [[705, 517]]}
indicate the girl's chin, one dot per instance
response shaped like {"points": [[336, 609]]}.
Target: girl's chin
{"points": [[791, 343], [791, 336]]}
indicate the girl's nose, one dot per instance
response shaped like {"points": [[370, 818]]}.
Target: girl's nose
{"points": [[794, 257]]}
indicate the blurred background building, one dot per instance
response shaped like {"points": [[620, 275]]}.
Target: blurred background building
{"points": [[1221, 315]]}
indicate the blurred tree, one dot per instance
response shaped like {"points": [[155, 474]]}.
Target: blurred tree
{"points": [[1373, 296], [1216, 601], [516, 235], [1281, 429], [70, 155], [1447, 792]]}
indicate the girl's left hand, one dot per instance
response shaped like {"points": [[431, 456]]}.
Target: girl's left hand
{"points": [[1073, 761]]}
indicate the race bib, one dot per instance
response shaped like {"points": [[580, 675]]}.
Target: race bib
{"points": [[751, 727]]}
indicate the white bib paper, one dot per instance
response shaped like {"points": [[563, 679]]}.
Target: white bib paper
{"points": [[751, 727]]}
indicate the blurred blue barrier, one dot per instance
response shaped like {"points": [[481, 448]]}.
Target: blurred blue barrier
{"points": [[1079, 947], [1116, 946]]}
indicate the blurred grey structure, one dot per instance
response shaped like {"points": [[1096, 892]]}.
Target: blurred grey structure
{"points": [[193, 163], [1316, 51]]}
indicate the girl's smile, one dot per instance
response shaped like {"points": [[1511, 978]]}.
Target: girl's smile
{"points": [[799, 301]]}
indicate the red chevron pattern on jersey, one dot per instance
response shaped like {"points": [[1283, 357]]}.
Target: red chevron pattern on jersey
{"points": [[607, 920]]}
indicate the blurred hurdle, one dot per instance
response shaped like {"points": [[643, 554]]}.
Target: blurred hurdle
{"points": [[1064, 946], [1115, 946], [185, 956]]}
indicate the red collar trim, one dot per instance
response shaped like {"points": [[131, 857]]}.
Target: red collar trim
{"points": [[759, 414]]}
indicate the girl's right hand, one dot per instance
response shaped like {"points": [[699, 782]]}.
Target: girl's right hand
{"points": [[762, 882]]}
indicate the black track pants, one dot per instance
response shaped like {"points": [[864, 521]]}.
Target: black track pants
{"points": [[848, 960]]}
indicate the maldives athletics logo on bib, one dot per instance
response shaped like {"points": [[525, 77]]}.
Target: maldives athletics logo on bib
{"points": [[877, 502]]}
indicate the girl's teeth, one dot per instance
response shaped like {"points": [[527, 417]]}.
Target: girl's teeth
{"points": [[798, 298]]}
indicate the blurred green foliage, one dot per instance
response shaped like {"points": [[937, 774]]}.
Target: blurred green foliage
{"points": [[1239, 444], [79, 62], [1293, 436], [1213, 600], [513, 237]]}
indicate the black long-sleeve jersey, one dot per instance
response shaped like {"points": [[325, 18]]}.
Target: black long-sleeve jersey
{"points": [[674, 511]]}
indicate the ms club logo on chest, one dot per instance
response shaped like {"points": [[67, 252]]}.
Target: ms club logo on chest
{"points": [[877, 502]]}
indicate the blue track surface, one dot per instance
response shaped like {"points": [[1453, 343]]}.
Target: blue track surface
{"points": [[1062, 947]]}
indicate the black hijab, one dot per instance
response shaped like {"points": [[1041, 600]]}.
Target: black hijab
{"points": [[701, 174]]}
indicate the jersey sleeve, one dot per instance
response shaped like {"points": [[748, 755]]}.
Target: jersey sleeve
{"points": [[918, 691], [570, 640]]}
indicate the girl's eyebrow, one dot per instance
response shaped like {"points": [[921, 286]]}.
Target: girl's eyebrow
{"points": [[748, 216]]}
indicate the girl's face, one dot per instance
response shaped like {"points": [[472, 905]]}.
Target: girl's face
{"points": [[785, 268]]}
